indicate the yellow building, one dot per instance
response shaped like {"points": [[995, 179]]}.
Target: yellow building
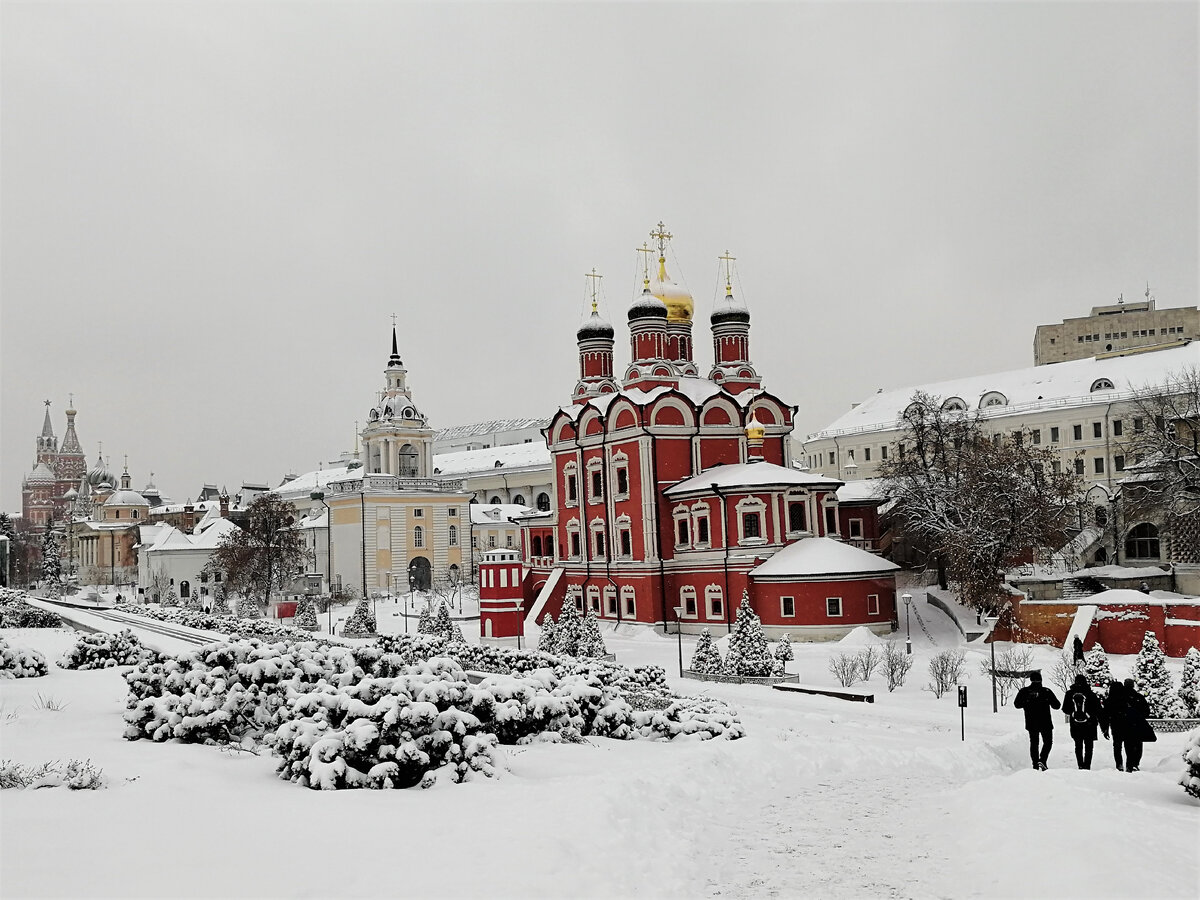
{"points": [[392, 519]]}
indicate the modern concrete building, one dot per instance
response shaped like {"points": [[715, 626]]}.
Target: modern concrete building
{"points": [[1115, 328]]}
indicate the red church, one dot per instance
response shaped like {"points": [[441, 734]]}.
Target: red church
{"points": [[675, 492]]}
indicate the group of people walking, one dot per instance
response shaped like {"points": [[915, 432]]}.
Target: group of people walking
{"points": [[1122, 714]]}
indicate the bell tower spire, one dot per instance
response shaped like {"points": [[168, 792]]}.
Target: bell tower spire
{"points": [[731, 338], [595, 340]]}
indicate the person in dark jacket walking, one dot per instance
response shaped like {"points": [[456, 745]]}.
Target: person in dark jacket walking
{"points": [[1084, 713], [1136, 711], [1114, 711], [1037, 701]]}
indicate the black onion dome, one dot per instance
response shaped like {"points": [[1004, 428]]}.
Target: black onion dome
{"points": [[729, 311], [647, 306], [595, 328]]}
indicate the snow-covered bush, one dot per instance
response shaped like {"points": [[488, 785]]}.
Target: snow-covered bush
{"points": [[591, 642], [193, 603], [896, 663], [213, 621], [1151, 678], [105, 651], [306, 615], [1191, 756], [706, 658], [784, 653], [747, 652], [19, 662], [570, 630], [946, 671], [690, 716], [75, 775], [1189, 682], [425, 621], [1096, 669], [248, 608], [844, 667], [361, 622], [16, 613], [548, 636], [869, 659]]}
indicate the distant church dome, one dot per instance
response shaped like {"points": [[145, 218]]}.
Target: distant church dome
{"points": [[647, 306], [677, 300], [100, 475], [595, 327], [730, 311], [41, 473], [126, 498]]}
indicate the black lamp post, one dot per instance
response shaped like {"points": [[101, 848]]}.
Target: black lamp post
{"points": [[679, 611], [907, 598]]}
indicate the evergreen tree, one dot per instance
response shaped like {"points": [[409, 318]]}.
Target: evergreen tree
{"points": [[361, 623], [591, 642], [442, 625], [247, 608], [784, 653], [706, 659], [1095, 668], [570, 629], [51, 558], [193, 602], [425, 622], [220, 605], [1191, 755], [548, 637], [1151, 678], [306, 615], [1189, 684], [748, 654]]}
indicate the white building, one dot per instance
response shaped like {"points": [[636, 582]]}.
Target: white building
{"points": [[497, 433], [180, 557], [518, 474]]}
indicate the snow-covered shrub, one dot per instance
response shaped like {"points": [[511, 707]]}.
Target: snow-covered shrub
{"points": [[306, 615], [844, 667], [75, 775], [548, 636], [706, 659], [784, 653], [869, 659], [250, 608], [220, 604], [425, 623], [16, 613], [1191, 756], [747, 652], [1189, 682], [193, 603], [570, 630], [19, 662], [1151, 678], [896, 663], [591, 642], [361, 622], [1096, 669], [214, 621], [104, 651], [946, 671], [690, 716]]}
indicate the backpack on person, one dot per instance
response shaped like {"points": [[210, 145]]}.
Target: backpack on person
{"points": [[1079, 713]]}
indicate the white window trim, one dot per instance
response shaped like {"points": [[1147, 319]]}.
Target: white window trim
{"points": [[783, 613], [700, 510], [594, 465], [678, 514], [711, 593], [593, 598], [573, 528], [597, 528], [850, 528], [841, 608], [610, 597], [872, 604], [751, 505], [686, 593], [570, 469], [628, 601], [788, 500], [620, 460]]}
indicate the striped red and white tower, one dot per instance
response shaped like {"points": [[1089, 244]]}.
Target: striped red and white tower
{"points": [[501, 599]]}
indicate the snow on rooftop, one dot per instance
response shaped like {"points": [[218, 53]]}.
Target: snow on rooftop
{"points": [[510, 456], [305, 484], [861, 491], [497, 513], [811, 557], [760, 474], [478, 428], [1057, 385]]}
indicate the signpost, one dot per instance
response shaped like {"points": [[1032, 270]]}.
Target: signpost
{"points": [[962, 709]]}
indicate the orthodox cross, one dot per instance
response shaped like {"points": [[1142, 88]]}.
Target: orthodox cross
{"points": [[661, 235], [595, 284], [728, 282], [645, 251], [393, 320]]}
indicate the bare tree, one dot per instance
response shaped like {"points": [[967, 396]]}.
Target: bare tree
{"points": [[868, 659], [1008, 663], [974, 498], [1164, 447], [945, 671], [264, 556], [161, 589], [844, 667], [896, 663]]}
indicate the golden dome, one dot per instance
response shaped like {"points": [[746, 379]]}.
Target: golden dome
{"points": [[678, 301], [755, 432]]}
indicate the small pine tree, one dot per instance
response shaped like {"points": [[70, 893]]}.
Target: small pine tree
{"points": [[361, 623], [1151, 678], [1096, 669], [306, 615], [425, 622], [784, 653], [570, 629], [548, 637], [748, 654], [706, 659], [247, 608], [1189, 683], [1191, 756], [51, 558], [591, 642], [193, 603], [442, 624], [220, 605]]}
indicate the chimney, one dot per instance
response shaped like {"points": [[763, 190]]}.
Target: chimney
{"points": [[224, 506], [189, 518]]}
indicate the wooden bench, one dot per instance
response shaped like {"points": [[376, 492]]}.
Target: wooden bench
{"points": [[839, 693]]}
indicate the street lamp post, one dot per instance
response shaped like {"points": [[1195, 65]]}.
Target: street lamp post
{"points": [[679, 611], [907, 598], [992, 635]]}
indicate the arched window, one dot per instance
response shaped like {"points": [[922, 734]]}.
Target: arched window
{"points": [[1101, 516], [548, 546], [185, 590], [955, 404], [418, 536], [519, 499], [1142, 542], [537, 545], [496, 500], [453, 535], [408, 462], [993, 398], [687, 599], [1102, 384], [543, 502]]}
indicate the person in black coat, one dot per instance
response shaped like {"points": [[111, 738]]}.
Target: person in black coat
{"points": [[1037, 701], [1136, 711], [1084, 713], [1114, 711]]}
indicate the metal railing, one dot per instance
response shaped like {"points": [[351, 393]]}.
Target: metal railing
{"points": [[395, 484]]}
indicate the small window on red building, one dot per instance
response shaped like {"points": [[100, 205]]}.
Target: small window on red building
{"points": [[623, 480], [572, 489], [833, 606], [787, 607], [872, 604], [797, 516], [751, 525]]}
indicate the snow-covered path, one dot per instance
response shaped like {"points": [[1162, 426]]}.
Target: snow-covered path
{"points": [[822, 799]]}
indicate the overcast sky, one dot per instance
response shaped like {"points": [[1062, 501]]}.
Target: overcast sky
{"points": [[210, 211]]}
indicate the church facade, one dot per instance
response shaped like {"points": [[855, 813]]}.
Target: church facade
{"points": [[675, 493]]}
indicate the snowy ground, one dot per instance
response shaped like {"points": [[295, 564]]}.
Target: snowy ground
{"points": [[823, 798]]}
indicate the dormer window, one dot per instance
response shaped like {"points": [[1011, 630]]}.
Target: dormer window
{"points": [[955, 404], [1102, 384], [993, 398]]}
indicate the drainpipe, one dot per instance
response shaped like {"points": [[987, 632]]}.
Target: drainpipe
{"points": [[662, 576], [610, 509], [725, 541]]}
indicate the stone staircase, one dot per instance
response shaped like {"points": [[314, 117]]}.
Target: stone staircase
{"points": [[1076, 590]]}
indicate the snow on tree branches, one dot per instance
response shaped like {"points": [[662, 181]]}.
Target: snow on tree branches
{"points": [[51, 558], [105, 651], [748, 652], [1189, 683], [19, 662], [1095, 667], [306, 615], [264, 556], [548, 636], [1191, 756], [706, 658], [1151, 678], [361, 622], [591, 642]]}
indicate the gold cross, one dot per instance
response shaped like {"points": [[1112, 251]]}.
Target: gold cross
{"points": [[645, 251], [595, 283], [661, 235], [393, 320], [728, 259]]}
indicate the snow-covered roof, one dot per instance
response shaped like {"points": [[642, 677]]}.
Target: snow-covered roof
{"points": [[861, 491], [170, 538], [1058, 385], [41, 472], [812, 557], [312, 481], [749, 475], [478, 428], [497, 513], [126, 498], [510, 456]]}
